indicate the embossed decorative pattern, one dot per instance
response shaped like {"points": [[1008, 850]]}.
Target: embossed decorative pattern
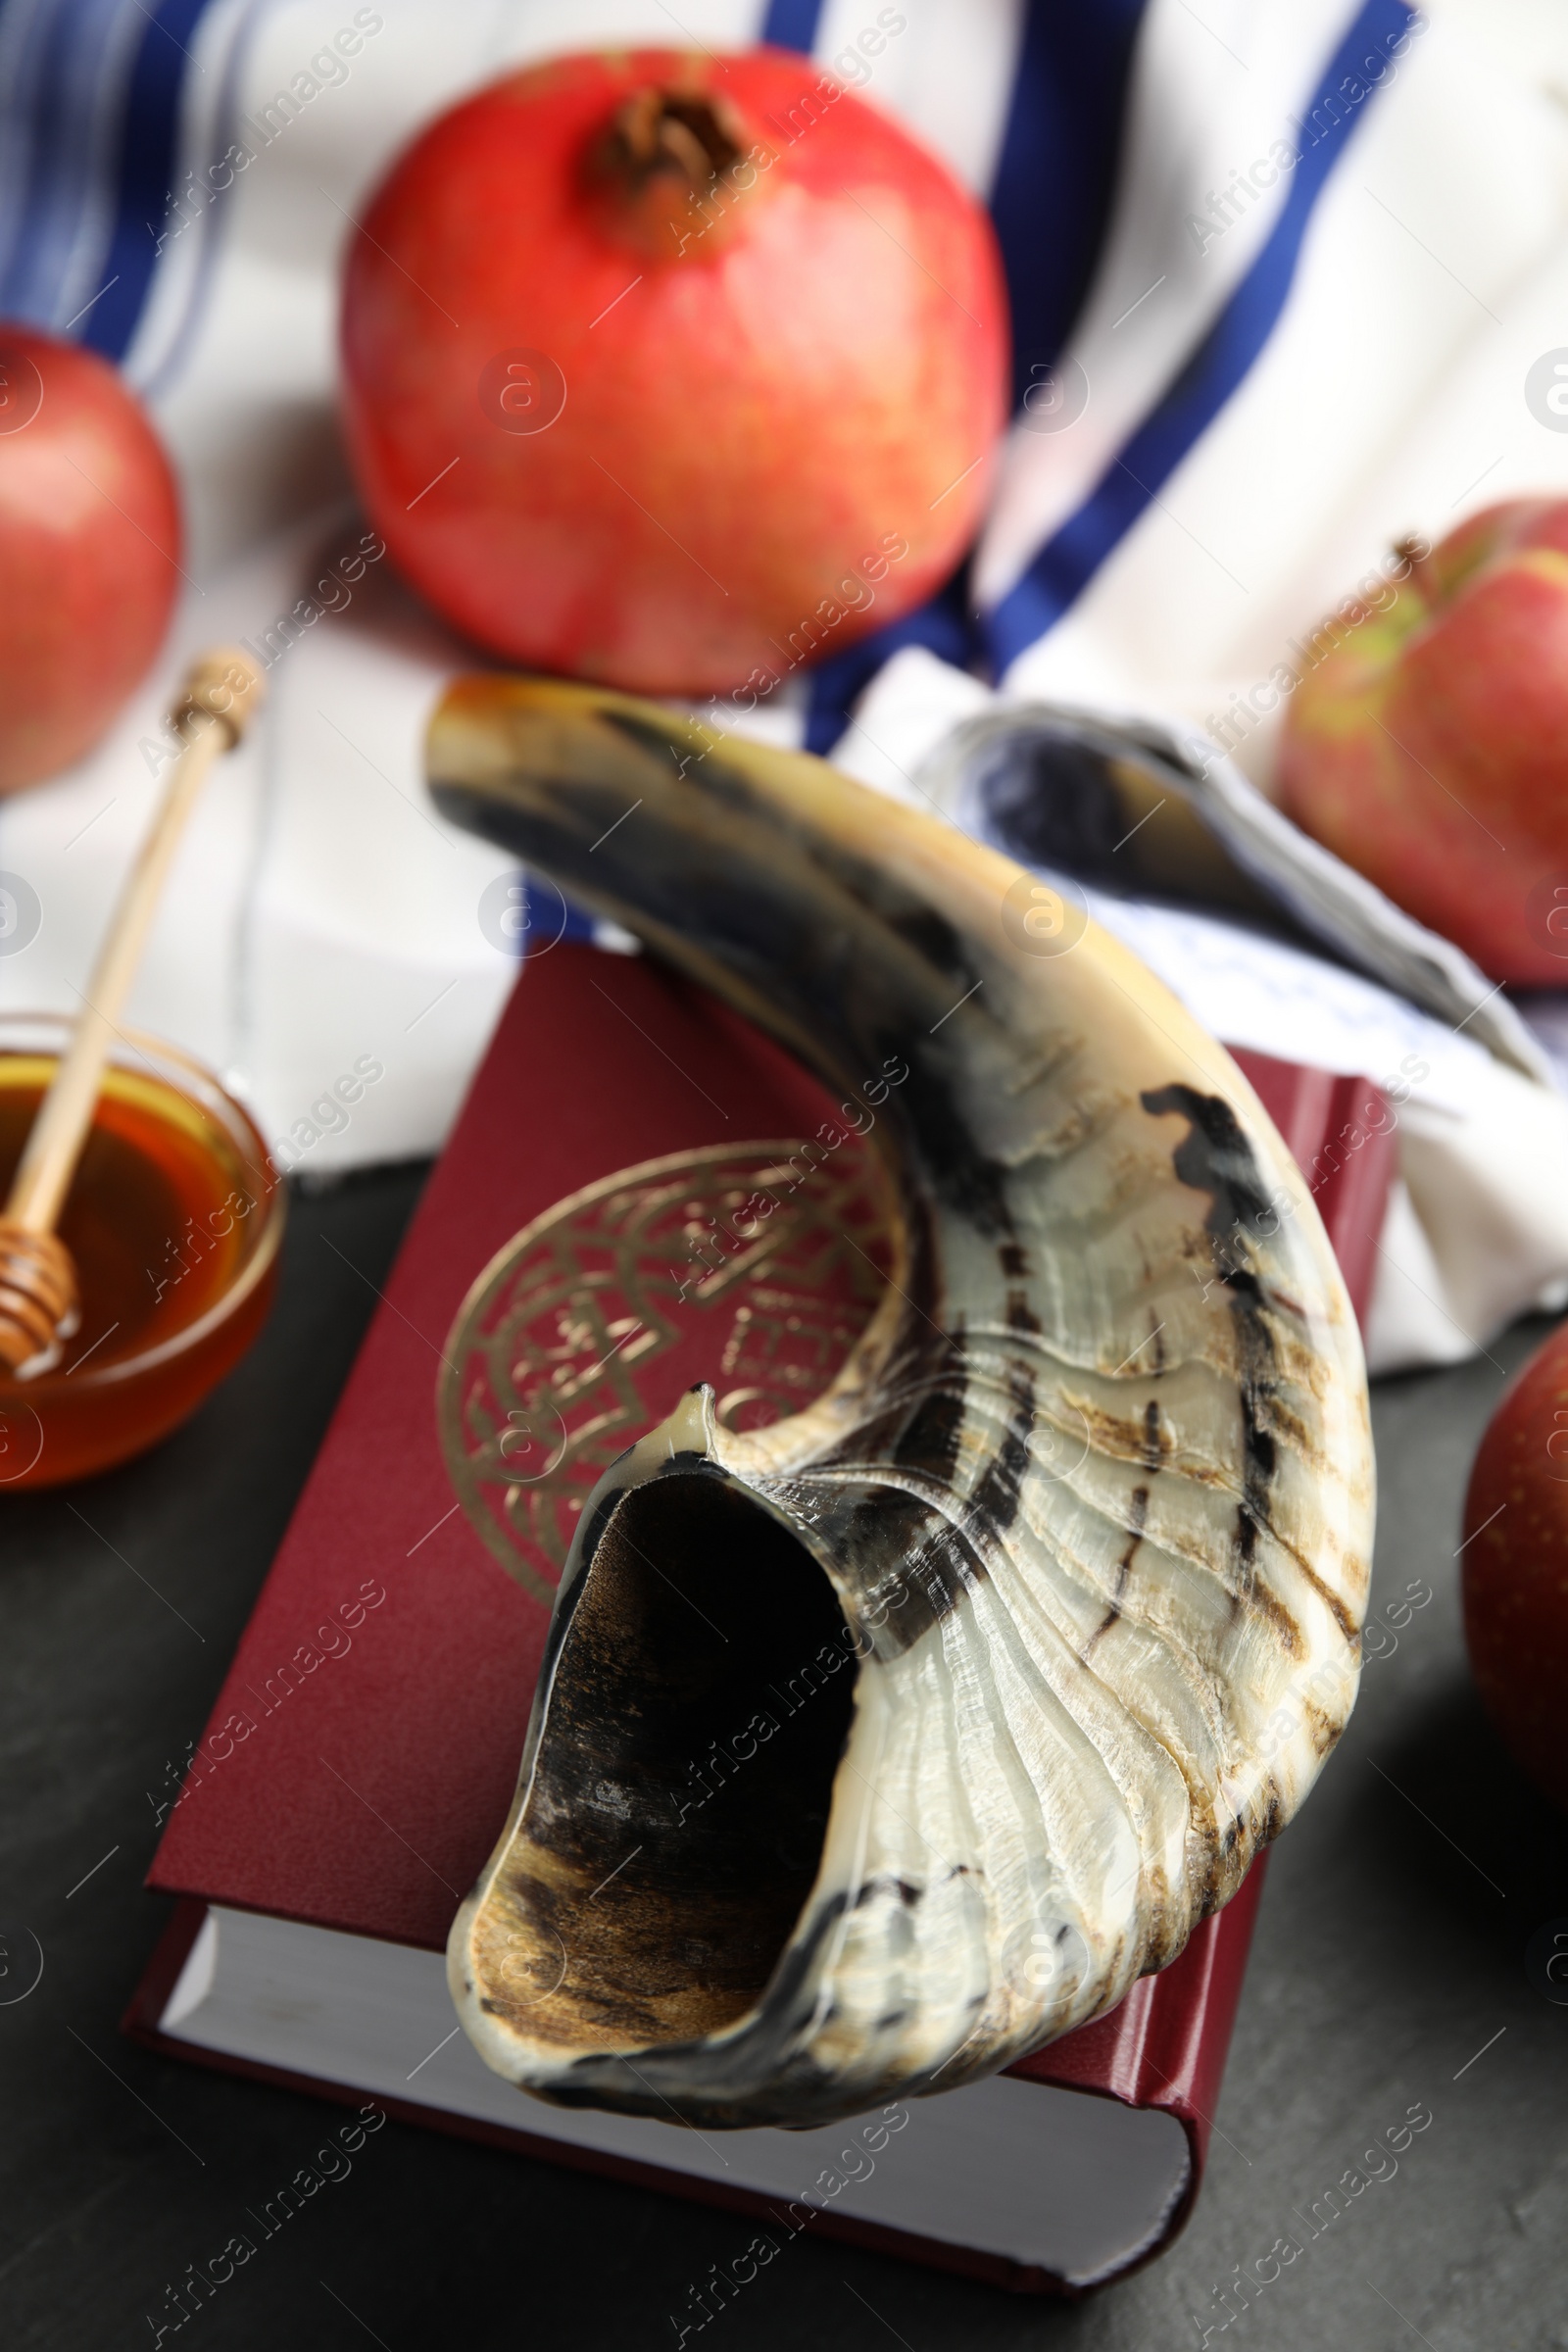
{"points": [[755, 1267]]}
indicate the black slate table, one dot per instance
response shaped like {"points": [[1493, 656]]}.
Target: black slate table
{"points": [[1389, 1972]]}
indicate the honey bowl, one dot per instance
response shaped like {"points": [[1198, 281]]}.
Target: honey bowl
{"points": [[174, 1219]]}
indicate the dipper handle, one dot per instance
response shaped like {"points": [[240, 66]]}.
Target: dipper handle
{"points": [[37, 1280]]}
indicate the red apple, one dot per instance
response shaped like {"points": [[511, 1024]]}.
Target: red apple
{"points": [[1428, 748], [89, 551], [1516, 1567], [670, 370]]}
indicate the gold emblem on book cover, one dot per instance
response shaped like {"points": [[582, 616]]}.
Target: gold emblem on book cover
{"points": [[755, 1267]]}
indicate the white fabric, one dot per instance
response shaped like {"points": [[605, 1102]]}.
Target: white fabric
{"points": [[322, 914], [1389, 400], [1478, 1232], [1197, 104]]}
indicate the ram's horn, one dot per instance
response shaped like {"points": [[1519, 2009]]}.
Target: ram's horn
{"points": [[872, 1750]]}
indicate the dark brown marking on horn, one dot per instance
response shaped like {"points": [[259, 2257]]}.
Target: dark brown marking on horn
{"points": [[1267, 1603], [930, 1436], [920, 1564], [960, 1174], [919, 1425], [1137, 1518], [1137, 1521], [995, 1501], [1343, 1617], [880, 1884], [1215, 1158], [933, 938]]}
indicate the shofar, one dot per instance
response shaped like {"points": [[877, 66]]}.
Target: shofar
{"points": [[876, 1748]]}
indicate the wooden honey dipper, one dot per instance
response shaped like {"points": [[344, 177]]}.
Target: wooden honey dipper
{"points": [[37, 1278]]}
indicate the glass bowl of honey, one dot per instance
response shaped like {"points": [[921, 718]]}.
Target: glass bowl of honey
{"points": [[174, 1219]]}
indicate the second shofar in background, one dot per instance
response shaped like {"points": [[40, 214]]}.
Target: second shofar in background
{"points": [[1091, 1503]]}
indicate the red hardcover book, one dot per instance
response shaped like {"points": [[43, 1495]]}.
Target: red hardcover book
{"points": [[361, 1754]]}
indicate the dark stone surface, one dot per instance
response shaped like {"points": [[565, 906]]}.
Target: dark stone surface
{"points": [[1391, 1949]]}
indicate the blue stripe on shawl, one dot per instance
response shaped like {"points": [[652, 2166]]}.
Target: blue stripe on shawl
{"points": [[1217, 366], [145, 174], [1059, 164], [1055, 184], [791, 23]]}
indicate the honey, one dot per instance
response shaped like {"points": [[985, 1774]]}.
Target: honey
{"points": [[173, 1220]]}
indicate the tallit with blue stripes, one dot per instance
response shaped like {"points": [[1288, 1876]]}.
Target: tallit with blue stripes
{"points": [[1277, 270]]}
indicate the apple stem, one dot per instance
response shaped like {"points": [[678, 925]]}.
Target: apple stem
{"points": [[1416, 552]]}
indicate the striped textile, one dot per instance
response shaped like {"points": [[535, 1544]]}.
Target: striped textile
{"points": [[1277, 270], [98, 181]]}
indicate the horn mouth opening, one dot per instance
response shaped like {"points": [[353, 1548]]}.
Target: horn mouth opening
{"points": [[676, 1816]]}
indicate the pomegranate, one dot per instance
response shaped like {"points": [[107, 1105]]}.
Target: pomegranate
{"points": [[670, 371], [1516, 1567], [89, 551]]}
